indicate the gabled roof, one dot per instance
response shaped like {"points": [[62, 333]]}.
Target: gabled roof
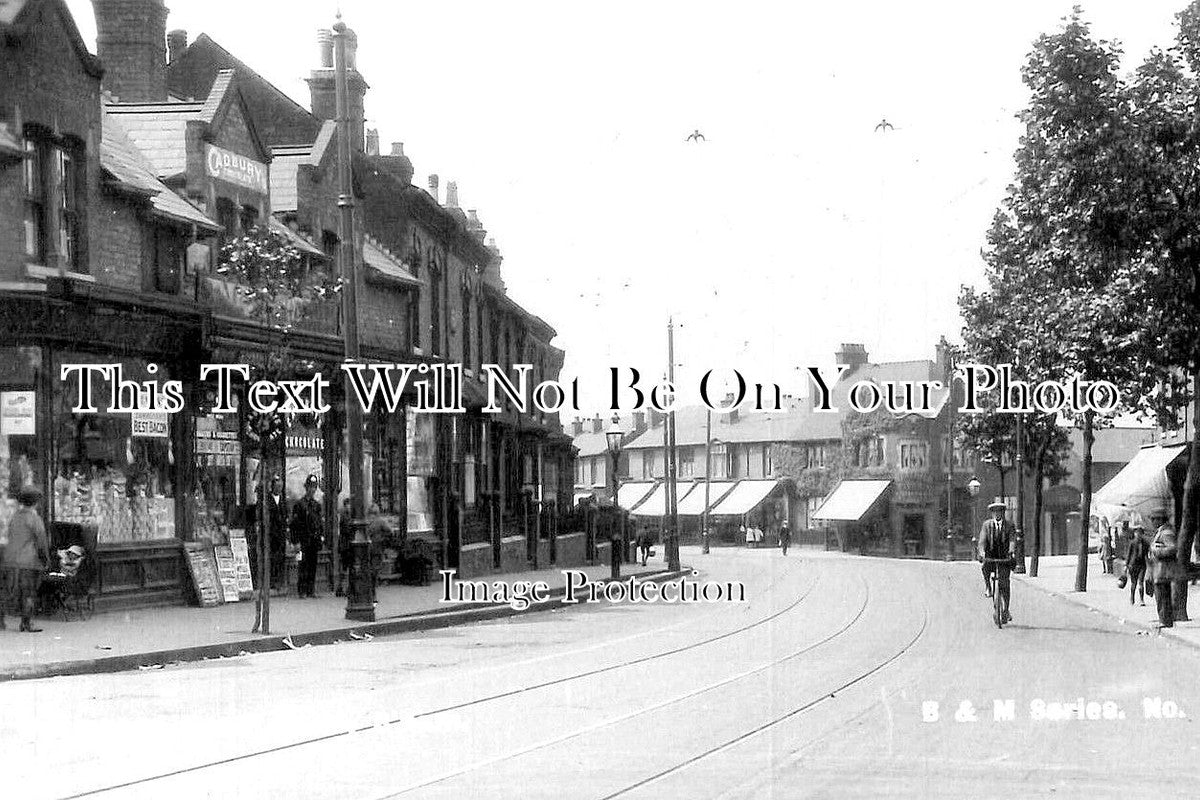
{"points": [[285, 166], [159, 129], [791, 425], [18, 15], [131, 172], [279, 119]]}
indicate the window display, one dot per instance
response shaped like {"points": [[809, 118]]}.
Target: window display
{"points": [[216, 499], [20, 459], [109, 472]]}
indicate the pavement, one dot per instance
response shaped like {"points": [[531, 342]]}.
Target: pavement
{"points": [[1056, 576], [833, 677], [149, 638]]}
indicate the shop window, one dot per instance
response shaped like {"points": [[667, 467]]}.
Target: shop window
{"points": [[166, 269], [21, 459], [53, 201], [422, 458], [217, 501], [115, 471]]}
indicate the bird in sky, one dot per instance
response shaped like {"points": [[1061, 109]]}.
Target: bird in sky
{"points": [[696, 136], [884, 125]]}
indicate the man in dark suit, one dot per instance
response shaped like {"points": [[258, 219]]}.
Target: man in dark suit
{"points": [[277, 526], [998, 540], [1163, 566], [308, 533]]}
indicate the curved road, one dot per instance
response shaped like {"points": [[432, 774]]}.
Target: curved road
{"points": [[840, 676]]}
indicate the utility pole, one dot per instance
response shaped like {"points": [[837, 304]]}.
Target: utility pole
{"points": [[359, 599], [1020, 493], [672, 497], [707, 474], [950, 460]]}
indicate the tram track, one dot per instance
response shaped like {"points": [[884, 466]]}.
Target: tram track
{"points": [[561, 680], [640, 711]]}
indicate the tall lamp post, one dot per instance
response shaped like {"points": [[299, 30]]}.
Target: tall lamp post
{"points": [[973, 489], [614, 437]]}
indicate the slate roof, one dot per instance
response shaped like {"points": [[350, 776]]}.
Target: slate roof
{"points": [[121, 159], [159, 132], [376, 257], [299, 242], [594, 444], [278, 119], [285, 166], [792, 425]]}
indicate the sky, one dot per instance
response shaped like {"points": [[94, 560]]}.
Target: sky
{"points": [[795, 224]]}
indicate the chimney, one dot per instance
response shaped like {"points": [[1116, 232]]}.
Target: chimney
{"points": [[372, 142], [131, 41], [176, 44], [732, 416], [451, 194], [322, 83], [656, 418], [597, 424], [576, 427], [433, 188], [475, 226], [852, 355], [639, 420]]}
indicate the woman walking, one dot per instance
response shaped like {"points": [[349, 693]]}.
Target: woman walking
{"points": [[1135, 564], [25, 559]]}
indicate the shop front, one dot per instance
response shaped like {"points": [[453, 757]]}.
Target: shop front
{"points": [[112, 480]]}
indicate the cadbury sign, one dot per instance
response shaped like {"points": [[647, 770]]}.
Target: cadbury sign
{"points": [[236, 169]]}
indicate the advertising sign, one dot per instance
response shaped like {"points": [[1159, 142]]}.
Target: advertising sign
{"points": [[234, 168], [17, 413]]}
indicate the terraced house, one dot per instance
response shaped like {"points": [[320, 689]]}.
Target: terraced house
{"points": [[129, 172]]}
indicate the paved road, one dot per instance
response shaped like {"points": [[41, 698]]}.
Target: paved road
{"points": [[821, 685]]}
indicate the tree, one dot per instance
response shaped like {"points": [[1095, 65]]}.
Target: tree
{"points": [[277, 287]]}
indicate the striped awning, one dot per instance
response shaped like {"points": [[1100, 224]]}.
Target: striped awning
{"points": [[851, 500]]}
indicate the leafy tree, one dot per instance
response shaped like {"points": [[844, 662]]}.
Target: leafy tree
{"points": [[278, 288]]}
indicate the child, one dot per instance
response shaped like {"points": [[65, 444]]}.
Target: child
{"points": [[1106, 553]]}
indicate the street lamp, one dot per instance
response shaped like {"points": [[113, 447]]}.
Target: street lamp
{"points": [[614, 437], [973, 488]]}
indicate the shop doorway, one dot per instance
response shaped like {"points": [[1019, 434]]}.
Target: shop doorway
{"points": [[913, 534]]}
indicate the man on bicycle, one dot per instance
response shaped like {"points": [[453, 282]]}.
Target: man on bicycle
{"points": [[998, 540]]}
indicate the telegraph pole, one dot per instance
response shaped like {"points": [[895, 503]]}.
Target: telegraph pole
{"points": [[707, 474], [358, 606], [672, 476]]}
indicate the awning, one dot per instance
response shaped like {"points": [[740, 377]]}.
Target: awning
{"points": [[744, 498], [630, 494], [295, 240], [656, 504], [385, 266], [851, 500], [693, 504], [1140, 484]]}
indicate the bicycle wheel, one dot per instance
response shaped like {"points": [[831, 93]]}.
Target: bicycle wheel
{"points": [[997, 611]]}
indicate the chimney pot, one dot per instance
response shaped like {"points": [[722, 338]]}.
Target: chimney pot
{"points": [[325, 47], [433, 187], [372, 142], [451, 194], [176, 44], [639, 420], [397, 148], [576, 426], [597, 424], [131, 40]]}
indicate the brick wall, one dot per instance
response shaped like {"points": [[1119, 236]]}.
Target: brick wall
{"points": [[45, 81], [117, 249], [131, 40]]}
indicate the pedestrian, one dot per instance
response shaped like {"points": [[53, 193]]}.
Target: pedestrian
{"points": [[758, 536], [1135, 564], [25, 559], [1106, 554], [785, 537], [345, 546], [749, 534], [1163, 566], [643, 544], [307, 530]]}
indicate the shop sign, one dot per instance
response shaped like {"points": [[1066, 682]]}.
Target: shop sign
{"points": [[227, 573], [18, 413], [202, 564], [236, 169], [241, 563], [150, 424], [217, 443]]}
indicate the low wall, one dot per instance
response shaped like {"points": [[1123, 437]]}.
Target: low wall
{"points": [[477, 559]]}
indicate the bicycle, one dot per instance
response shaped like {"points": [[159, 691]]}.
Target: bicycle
{"points": [[997, 608]]}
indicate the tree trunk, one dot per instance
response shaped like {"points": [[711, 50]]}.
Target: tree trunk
{"points": [[1085, 503], [1037, 514], [1191, 495], [1002, 473]]}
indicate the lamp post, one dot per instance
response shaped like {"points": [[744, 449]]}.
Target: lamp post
{"points": [[614, 437], [973, 488]]}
